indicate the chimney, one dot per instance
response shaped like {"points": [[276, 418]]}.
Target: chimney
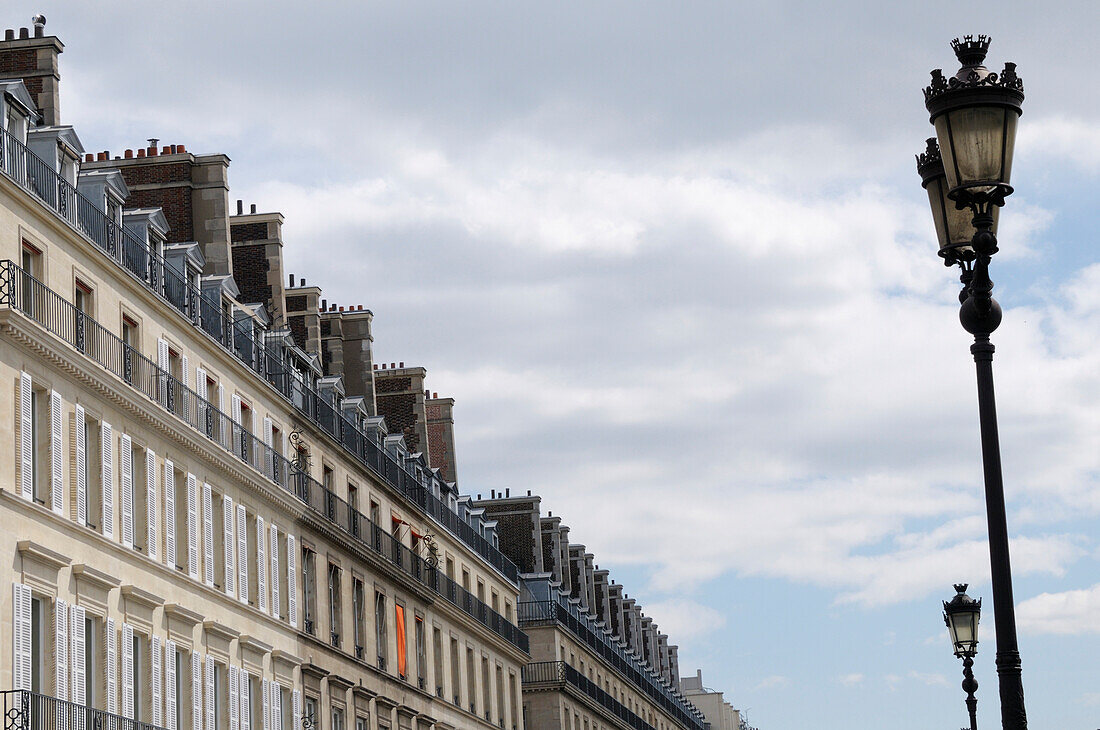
{"points": [[240, 207], [33, 60], [252, 209], [292, 281]]}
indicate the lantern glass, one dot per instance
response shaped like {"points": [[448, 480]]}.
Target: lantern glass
{"points": [[977, 144], [961, 615], [954, 228]]}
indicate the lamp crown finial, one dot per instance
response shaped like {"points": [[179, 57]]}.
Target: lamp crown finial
{"points": [[971, 50], [961, 587]]}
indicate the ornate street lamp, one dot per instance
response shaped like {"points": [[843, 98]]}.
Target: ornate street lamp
{"points": [[961, 615], [975, 113]]}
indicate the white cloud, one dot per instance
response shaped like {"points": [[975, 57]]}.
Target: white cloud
{"points": [[851, 680], [1069, 140], [930, 679], [1068, 612], [684, 619], [774, 681]]}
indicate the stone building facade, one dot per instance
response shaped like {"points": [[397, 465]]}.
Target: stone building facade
{"points": [[209, 525]]}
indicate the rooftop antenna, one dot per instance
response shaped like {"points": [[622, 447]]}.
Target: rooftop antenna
{"points": [[39, 23], [153, 141]]}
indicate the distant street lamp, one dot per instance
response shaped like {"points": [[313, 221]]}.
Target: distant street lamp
{"points": [[966, 172], [961, 615]]}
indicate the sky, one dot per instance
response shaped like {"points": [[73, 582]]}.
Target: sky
{"points": [[674, 264]]}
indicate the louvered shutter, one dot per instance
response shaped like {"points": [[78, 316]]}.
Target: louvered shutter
{"points": [[57, 477], [162, 363], [128, 671], [61, 649], [77, 678], [221, 408], [21, 636], [261, 565], [80, 480], [155, 657], [151, 502], [192, 527], [169, 514], [269, 455], [276, 706], [210, 693], [196, 691], [291, 580], [274, 571], [208, 533], [111, 668], [234, 698], [242, 553], [265, 688], [107, 474], [296, 704], [246, 702], [184, 407], [26, 438], [230, 543], [235, 400], [201, 391], [126, 488], [170, 698]]}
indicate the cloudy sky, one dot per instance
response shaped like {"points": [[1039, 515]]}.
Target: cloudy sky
{"points": [[674, 263]]}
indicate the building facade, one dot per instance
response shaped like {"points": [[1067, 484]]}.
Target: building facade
{"points": [[209, 525], [720, 714]]}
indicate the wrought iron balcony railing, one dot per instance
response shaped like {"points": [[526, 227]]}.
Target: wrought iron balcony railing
{"points": [[543, 613], [24, 710], [542, 675], [23, 293], [243, 338]]}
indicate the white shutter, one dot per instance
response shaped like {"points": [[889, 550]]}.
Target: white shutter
{"points": [[221, 408], [78, 678], [210, 693], [185, 408], [192, 527], [234, 698], [61, 649], [26, 440], [291, 581], [169, 514], [107, 474], [57, 481], [128, 671], [246, 702], [269, 455], [276, 706], [158, 679], [230, 543], [242, 553], [196, 691], [200, 383], [170, 697], [208, 533], [21, 637], [111, 656], [274, 570], [185, 375], [162, 363], [235, 400], [126, 488], [81, 478], [151, 503], [265, 688], [296, 704], [203, 394], [261, 565]]}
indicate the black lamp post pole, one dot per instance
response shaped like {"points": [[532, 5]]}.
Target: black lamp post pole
{"points": [[970, 686], [980, 315]]}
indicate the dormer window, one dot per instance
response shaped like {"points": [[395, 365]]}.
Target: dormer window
{"points": [[16, 124]]}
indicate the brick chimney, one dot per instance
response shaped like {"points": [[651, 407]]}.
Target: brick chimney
{"points": [[346, 350], [256, 240], [441, 436], [33, 58], [193, 191], [399, 395]]}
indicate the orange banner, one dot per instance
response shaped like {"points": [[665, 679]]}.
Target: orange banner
{"points": [[399, 612]]}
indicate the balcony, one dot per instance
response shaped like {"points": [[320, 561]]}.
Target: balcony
{"points": [[23, 293], [25, 710], [548, 613], [244, 339], [559, 675]]}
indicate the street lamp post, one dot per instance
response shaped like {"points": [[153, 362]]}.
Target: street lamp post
{"points": [[961, 615], [975, 113]]}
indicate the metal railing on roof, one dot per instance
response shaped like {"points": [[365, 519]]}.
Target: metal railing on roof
{"points": [[560, 674], [542, 613], [22, 292], [244, 338]]}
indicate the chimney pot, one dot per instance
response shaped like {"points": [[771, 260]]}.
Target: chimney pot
{"points": [[508, 492], [479, 496], [324, 302], [341, 309], [9, 34], [240, 210], [435, 395], [141, 153], [393, 365], [375, 366], [89, 157], [166, 150], [180, 149], [427, 394], [24, 33], [101, 156], [253, 209], [173, 149], [292, 275], [303, 281], [128, 154], [151, 152], [528, 492], [402, 364]]}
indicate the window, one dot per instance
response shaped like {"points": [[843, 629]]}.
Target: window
{"points": [[32, 295], [471, 680], [311, 711], [138, 673], [374, 512], [335, 619], [38, 645], [83, 299], [286, 580], [380, 628], [437, 659], [245, 448], [480, 590], [337, 718], [421, 659], [183, 690], [224, 549], [362, 723], [40, 445], [92, 651], [495, 602], [139, 496], [180, 502], [486, 688], [353, 503], [456, 676], [93, 459], [450, 567], [255, 708], [400, 633], [465, 579], [286, 709], [500, 695], [309, 579], [513, 700], [221, 696], [358, 618], [133, 344]]}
